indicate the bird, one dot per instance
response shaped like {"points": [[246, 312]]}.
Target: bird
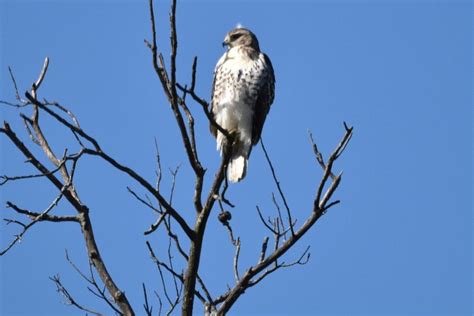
{"points": [[242, 92]]}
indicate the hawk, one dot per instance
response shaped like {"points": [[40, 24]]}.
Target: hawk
{"points": [[242, 93]]}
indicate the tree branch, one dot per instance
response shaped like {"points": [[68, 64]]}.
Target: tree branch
{"points": [[38, 218], [69, 299], [282, 195], [100, 293], [42, 216], [169, 86], [100, 153], [248, 279]]}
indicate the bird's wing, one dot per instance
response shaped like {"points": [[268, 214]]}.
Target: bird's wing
{"points": [[265, 98], [215, 91]]}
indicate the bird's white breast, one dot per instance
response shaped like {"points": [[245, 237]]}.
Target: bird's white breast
{"points": [[235, 92]]}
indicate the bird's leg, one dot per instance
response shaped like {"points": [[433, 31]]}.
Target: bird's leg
{"points": [[233, 139]]}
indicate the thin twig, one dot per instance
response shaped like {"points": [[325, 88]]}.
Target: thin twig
{"points": [[36, 219], [27, 122], [69, 299], [39, 175], [160, 265], [38, 82], [174, 173], [264, 249], [65, 110], [17, 94], [92, 281], [42, 217], [236, 260], [264, 222], [282, 195], [148, 309]]}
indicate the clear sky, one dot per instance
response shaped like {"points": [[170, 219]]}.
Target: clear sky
{"points": [[399, 71]]}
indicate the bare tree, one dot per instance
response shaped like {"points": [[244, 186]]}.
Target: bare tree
{"points": [[187, 285]]}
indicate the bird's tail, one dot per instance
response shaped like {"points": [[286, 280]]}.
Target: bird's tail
{"points": [[237, 167]]}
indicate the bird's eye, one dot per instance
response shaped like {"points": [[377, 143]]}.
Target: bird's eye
{"points": [[235, 36]]}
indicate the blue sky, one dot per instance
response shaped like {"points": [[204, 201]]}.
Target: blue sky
{"points": [[399, 71]]}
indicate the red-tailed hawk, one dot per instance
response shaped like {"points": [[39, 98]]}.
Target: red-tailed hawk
{"points": [[243, 90]]}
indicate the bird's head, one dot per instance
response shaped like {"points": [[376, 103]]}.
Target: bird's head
{"points": [[241, 37]]}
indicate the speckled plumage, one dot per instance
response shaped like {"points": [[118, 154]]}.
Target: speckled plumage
{"points": [[243, 90]]}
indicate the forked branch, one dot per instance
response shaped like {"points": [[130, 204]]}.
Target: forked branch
{"points": [[65, 185], [269, 264]]}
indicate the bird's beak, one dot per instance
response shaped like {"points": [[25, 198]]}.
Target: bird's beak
{"points": [[226, 41]]}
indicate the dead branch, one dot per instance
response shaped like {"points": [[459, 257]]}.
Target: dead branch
{"points": [[236, 260], [17, 94], [6, 178], [66, 186], [148, 309], [169, 86], [42, 216], [100, 153], [38, 218], [251, 276], [97, 291], [288, 212], [69, 299], [264, 249], [35, 86]]}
